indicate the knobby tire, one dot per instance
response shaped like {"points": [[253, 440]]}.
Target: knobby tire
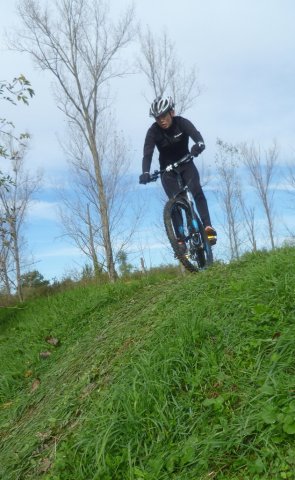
{"points": [[204, 256]]}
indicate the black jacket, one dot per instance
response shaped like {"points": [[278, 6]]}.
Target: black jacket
{"points": [[172, 142]]}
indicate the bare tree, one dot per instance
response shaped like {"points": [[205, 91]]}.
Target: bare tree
{"points": [[249, 221], [165, 72], [14, 203], [290, 180], [262, 168], [80, 212], [229, 193], [5, 257], [80, 45]]}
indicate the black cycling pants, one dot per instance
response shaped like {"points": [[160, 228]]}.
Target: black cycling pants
{"points": [[190, 177]]}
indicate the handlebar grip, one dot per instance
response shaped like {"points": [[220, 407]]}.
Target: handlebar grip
{"points": [[154, 176]]}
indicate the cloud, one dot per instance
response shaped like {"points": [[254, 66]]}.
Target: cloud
{"points": [[40, 209], [284, 186]]}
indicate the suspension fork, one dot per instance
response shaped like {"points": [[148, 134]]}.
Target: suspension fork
{"points": [[184, 190], [190, 199]]}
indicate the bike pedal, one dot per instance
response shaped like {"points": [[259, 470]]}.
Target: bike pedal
{"points": [[182, 255], [212, 240]]}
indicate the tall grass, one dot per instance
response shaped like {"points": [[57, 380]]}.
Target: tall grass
{"points": [[189, 378]]}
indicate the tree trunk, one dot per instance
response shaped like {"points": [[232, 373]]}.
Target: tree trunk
{"points": [[16, 255], [270, 225], [104, 218], [4, 275], [95, 262]]}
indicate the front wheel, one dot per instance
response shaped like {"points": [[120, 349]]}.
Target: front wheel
{"points": [[197, 253]]}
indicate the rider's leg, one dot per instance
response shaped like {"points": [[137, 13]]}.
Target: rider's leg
{"points": [[191, 178]]}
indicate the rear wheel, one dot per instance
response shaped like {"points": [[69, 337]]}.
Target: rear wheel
{"points": [[198, 252]]}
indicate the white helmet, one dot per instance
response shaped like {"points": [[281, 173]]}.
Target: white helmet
{"points": [[161, 105]]}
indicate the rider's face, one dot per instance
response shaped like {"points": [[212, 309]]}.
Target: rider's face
{"points": [[165, 120]]}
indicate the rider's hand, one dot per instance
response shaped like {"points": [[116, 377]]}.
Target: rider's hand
{"points": [[197, 149], [144, 178]]}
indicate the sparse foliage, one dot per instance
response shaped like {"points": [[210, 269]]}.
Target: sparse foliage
{"points": [[124, 267], [290, 188], [14, 204], [290, 181], [19, 90], [249, 217], [33, 279], [229, 193], [262, 167], [165, 72], [80, 212], [12, 207]]}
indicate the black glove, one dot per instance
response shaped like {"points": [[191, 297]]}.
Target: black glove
{"points": [[144, 178], [197, 149]]}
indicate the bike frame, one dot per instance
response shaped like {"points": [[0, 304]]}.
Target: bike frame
{"points": [[183, 189], [198, 252]]}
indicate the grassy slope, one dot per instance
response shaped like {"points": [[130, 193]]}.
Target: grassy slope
{"points": [[187, 378]]}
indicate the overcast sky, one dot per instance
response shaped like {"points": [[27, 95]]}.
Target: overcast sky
{"points": [[244, 54]]}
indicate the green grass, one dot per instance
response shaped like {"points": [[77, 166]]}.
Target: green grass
{"points": [[180, 378]]}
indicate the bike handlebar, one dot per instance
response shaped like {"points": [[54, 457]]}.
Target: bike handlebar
{"points": [[155, 175]]}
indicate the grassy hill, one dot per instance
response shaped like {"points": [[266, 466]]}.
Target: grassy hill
{"points": [[158, 378]]}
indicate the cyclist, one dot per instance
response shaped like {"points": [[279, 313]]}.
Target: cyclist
{"points": [[170, 134]]}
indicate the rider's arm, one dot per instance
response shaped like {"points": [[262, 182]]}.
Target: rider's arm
{"points": [[191, 130], [148, 150]]}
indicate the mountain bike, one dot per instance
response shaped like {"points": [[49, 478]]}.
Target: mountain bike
{"points": [[196, 252]]}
